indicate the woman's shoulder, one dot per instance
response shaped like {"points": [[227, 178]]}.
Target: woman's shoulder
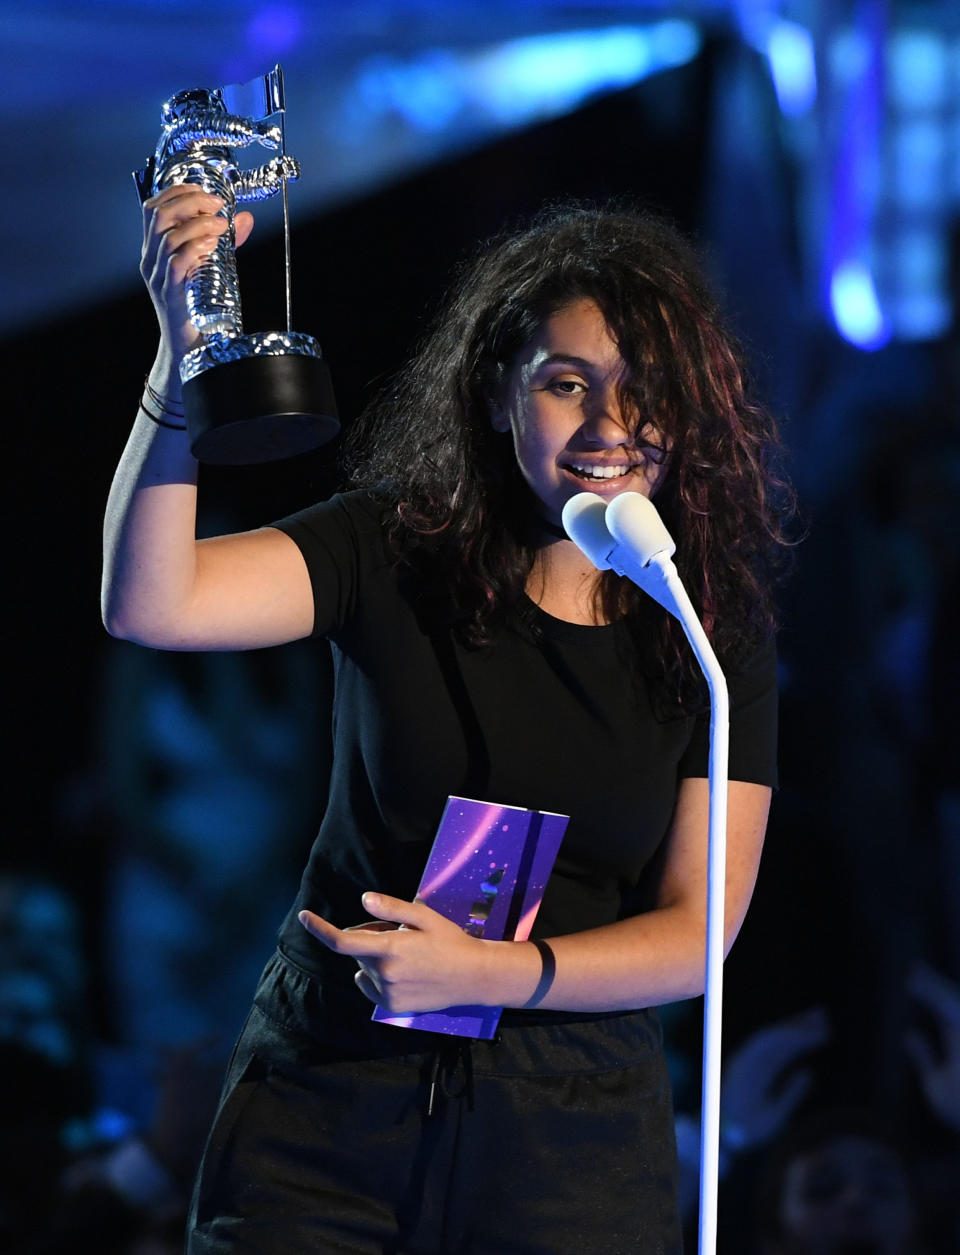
{"points": [[355, 509], [344, 533]]}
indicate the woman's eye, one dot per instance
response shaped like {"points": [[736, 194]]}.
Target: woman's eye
{"points": [[567, 387]]}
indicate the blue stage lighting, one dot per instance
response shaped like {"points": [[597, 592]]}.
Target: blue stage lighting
{"points": [[551, 74], [856, 309], [427, 92], [792, 66], [276, 27], [519, 81], [920, 160], [919, 69]]}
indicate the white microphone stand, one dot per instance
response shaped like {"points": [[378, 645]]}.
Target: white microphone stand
{"points": [[629, 536]]}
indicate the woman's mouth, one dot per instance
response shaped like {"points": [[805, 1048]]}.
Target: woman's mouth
{"points": [[594, 473]]}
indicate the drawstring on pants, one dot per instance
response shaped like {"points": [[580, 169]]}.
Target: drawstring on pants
{"points": [[445, 1060]]}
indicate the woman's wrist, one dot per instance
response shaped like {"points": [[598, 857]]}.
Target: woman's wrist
{"points": [[160, 409], [163, 376], [161, 399], [510, 973]]}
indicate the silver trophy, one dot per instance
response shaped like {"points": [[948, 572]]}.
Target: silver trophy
{"points": [[248, 397]]}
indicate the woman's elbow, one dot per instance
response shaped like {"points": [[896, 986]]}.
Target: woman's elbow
{"points": [[123, 625], [114, 620], [694, 979]]}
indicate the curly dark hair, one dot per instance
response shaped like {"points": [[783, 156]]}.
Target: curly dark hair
{"points": [[453, 488]]}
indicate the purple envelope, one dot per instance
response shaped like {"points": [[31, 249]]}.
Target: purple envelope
{"points": [[487, 871]]}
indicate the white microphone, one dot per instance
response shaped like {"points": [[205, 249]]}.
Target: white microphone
{"points": [[629, 537], [584, 520]]}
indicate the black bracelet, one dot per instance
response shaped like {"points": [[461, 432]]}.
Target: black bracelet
{"points": [[162, 404], [548, 970], [155, 418]]}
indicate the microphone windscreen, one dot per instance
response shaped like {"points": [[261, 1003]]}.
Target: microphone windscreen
{"points": [[634, 523], [584, 522]]}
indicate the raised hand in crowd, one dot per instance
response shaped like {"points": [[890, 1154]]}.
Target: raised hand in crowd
{"points": [[937, 1062], [768, 1077]]}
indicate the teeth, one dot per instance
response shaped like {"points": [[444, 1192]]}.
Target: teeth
{"points": [[599, 472]]}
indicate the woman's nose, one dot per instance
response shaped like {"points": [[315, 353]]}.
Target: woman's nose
{"points": [[604, 421]]}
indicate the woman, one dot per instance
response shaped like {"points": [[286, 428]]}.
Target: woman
{"points": [[478, 653]]}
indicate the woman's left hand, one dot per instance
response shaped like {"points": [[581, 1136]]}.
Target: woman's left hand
{"points": [[410, 958]]}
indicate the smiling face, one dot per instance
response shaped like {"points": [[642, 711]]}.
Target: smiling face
{"points": [[562, 403]]}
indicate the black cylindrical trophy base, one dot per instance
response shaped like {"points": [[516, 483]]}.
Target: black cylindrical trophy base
{"points": [[260, 409]]}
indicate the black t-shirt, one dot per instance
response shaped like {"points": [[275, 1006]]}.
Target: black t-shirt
{"points": [[551, 719]]}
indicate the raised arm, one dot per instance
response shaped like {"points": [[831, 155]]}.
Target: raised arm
{"points": [[161, 587]]}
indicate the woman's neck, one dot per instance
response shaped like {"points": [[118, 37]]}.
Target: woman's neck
{"points": [[565, 583]]}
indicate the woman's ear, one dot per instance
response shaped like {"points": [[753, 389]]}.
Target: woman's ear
{"points": [[499, 418]]}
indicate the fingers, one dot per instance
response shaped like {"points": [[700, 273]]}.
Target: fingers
{"points": [[318, 927], [180, 233], [398, 910], [182, 226], [359, 942], [174, 204], [186, 210], [368, 986], [377, 939], [184, 213], [353, 942]]}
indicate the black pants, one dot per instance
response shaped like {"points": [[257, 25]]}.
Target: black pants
{"points": [[555, 1137]]}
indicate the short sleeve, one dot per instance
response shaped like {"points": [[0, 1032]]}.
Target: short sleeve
{"points": [[753, 725], [330, 535]]}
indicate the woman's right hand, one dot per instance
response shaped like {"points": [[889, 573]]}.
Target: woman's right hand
{"points": [[181, 226], [161, 586]]}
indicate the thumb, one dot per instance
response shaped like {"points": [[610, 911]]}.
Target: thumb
{"points": [[397, 910], [242, 226]]}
